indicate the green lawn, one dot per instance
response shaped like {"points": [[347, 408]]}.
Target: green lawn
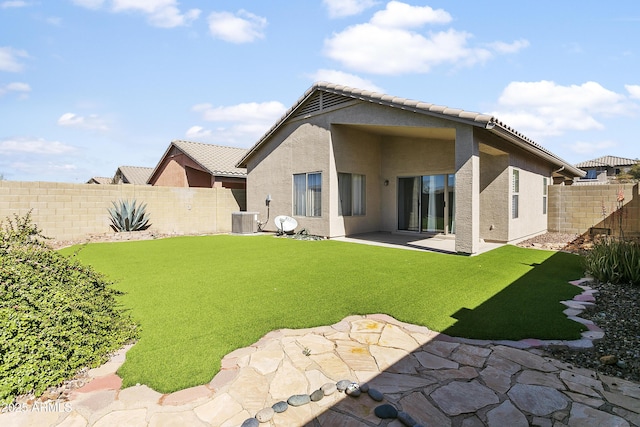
{"points": [[199, 298]]}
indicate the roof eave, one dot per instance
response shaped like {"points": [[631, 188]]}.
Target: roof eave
{"points": [[507, 134]]}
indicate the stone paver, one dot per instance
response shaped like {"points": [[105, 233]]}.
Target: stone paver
{"points": [[430, 378]]}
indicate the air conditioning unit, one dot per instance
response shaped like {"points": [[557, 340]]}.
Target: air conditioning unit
{"points": [[244, 222]]}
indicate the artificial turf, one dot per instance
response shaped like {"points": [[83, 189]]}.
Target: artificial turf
{"points": [[199, 298]]}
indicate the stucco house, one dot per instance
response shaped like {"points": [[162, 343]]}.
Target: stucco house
{"points": [[195, 164], [603, 169], [344, 161], [100, 180], [132, 175]]}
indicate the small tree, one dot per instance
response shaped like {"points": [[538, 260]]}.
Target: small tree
{"points": [[634, 172]]}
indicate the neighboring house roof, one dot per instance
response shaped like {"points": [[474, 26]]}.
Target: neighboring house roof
{"points": [[607, 161], [218, 160], [134, 174], [485, 121], [100, 180]]}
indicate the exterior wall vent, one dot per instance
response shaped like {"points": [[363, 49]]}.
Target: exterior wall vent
{"points": [[331, 100], [321, 101], [244, 222], [313, 105]]}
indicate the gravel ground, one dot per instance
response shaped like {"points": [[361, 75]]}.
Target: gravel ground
{"points": [[615, 311]]}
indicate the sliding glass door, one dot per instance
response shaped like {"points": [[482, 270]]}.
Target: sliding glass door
{"points": [[427, 203]]}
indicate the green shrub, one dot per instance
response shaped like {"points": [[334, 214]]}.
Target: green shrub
{"points": [[56, 315], [126, 216], [614, 261]]}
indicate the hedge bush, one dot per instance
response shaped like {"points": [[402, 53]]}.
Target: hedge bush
{"points": [[56, 315]]}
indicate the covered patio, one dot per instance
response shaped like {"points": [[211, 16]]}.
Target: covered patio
{"points": [[436, 242]]}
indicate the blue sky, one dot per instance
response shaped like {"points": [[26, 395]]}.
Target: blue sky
{"points": [[90, 85]]}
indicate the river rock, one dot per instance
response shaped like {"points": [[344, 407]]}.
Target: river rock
{"points": [[386, 411], [250, 422], [343, 384], [279, 407], [375, 395], [299, 399], [329, 388], [265, 415], [317, 395]]}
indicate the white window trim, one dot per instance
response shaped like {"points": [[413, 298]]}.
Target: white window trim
{"points": [[515, 193]]}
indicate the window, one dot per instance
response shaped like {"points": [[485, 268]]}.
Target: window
{"points": [[307, 194], [591, 174], [351, 189], [545, 184], [515, 190]]}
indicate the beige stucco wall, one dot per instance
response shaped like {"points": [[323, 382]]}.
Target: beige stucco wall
{"points": [[296, 148], [577, 208], [73, 211], [494, 197], [384, 144], [531, 221]]}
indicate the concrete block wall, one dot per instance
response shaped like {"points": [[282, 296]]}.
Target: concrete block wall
{"points": [[74, 211], [577, 208]]}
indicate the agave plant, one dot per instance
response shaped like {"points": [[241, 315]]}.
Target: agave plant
{"points": [[126, 216]]}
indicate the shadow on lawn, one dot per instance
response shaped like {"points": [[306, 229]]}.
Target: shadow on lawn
{"points": [[523, 307], [417, 378]]}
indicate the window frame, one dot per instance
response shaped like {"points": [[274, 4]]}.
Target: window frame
{"points": [[355, 187], [515, 193], [307, 201], [545, 194]]}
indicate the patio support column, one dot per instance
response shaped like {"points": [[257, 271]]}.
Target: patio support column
{"points": [[467, 191]]}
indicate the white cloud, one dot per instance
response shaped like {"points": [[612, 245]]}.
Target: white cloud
{"points": [[634, 91], [11, 4], [373, 47], [243, 27], [37, 146], [240, 124], [160, 13], [9, 59], [198, 133], [89, 4], [19, 87], [91, 122], [546, 109], [402, 15], [589, 148], [506, 48], [346, 79], [342, 8]]}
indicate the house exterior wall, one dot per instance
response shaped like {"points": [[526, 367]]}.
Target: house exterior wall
{"points": [[298, 147], [531, 220], [355, 152], [405, 157], [494, 197], [387, 143], [75, 211], [171, 174]]}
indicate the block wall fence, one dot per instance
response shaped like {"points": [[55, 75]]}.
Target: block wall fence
{"points": [[76, 211], [578, 208]]}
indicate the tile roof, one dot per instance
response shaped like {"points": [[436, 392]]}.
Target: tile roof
{"points": [[100, 180], [607, 161], [218, 160], [485, 121], [135, 174]]}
